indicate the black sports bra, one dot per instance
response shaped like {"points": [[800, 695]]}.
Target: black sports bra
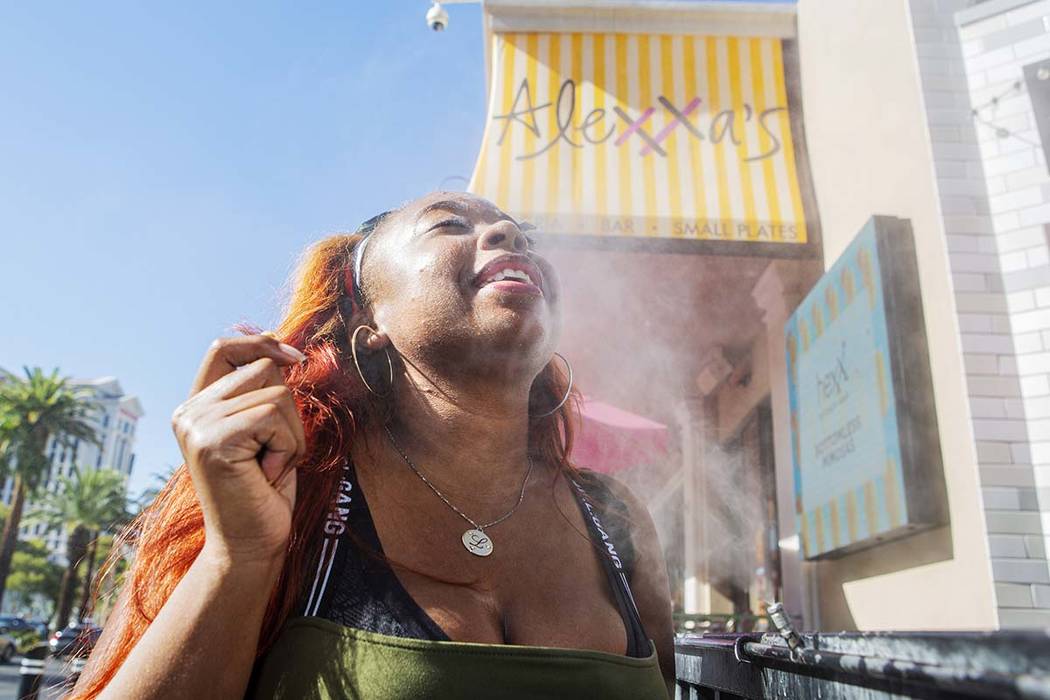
{"points": [[354, 586]]}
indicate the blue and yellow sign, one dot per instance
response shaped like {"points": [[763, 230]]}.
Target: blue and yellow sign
{"points": [[846, 442]]}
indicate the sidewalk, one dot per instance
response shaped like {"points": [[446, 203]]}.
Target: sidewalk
{"points": [[10, 677]]}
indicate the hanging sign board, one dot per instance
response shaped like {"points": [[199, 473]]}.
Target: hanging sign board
{"points": [[1037, 81], [657, 138], [867, 460]]}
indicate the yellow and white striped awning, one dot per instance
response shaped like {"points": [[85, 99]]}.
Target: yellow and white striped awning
{"points": [[640, 135]]}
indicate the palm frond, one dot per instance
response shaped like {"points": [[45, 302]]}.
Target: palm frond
{"points": [[94, 499], [37, 408]]}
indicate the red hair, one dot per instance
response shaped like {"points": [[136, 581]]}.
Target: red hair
{"points": [[168, 535]]}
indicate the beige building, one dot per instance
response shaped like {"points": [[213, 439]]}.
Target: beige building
{"points": [[697, 168]]}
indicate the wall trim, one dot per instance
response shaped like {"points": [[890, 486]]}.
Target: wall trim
{"points": [[631, 17], [989, 8]]}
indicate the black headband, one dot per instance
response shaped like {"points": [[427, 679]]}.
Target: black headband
{"points": [[365, 230]]}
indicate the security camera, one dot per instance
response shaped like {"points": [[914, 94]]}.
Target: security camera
{"points": [[437, 17]]}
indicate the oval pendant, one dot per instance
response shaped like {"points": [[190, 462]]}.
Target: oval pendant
{"points": [[477, 543]]}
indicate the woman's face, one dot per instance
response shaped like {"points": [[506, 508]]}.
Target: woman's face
{"points": [[451, 280]]}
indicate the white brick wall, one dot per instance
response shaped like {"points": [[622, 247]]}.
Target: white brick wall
{"points": [[1004, 301], [995, 199]]}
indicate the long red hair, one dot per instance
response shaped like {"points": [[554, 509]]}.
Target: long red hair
{"points": [[333, 404]]}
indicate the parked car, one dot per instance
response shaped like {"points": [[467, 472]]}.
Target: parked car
{"points": [[75, 639], [8, 647], [13, 623]]}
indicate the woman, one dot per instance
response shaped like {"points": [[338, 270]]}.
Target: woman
{"points": [[377, 502]]}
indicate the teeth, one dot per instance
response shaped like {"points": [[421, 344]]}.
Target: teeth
{"points": [[508, 273]]}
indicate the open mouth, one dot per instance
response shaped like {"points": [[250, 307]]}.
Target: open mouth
{"points": [[511, 273]]}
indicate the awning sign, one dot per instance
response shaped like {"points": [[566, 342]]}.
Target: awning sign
{"points": [[672, 137]]}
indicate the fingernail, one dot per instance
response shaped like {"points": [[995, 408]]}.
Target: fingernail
{"points": [[292, 352]]}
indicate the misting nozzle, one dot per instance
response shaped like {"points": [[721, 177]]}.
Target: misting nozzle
{"points": [[782, 623]]}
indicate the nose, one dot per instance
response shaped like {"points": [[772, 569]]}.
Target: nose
{"points": [[506, 235]]}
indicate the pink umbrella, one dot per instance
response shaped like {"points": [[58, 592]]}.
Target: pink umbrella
{"points": [[611, 439]]}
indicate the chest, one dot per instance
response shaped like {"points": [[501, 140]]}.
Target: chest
{"points": [[544, 584]]}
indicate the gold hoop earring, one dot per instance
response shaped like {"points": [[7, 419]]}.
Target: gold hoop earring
{"points": [[568, 391], [357, 364]]}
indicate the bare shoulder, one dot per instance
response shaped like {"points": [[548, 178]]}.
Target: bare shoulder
{"points": [[627, 515], [619, 490], [615, 499]]}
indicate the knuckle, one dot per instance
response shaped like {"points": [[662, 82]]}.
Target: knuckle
{"points": [[196, 444], [270, 412], [179, 418], [218, 345], [204, 452]]}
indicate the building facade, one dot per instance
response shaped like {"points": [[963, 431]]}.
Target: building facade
{"points": [[963, 63], [702, 172]]}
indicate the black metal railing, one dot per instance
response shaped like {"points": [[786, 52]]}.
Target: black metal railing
{"points": [[870, 665]]}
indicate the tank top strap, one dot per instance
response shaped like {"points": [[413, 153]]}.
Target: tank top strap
{"points": [[353, 584], [615, 570]]}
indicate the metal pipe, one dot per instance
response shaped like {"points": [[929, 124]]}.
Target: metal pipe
{"points": [[979, 684]]}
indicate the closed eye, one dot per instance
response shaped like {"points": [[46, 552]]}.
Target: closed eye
{"points": [[450, 223]]}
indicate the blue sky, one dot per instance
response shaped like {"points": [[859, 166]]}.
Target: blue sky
{"points": [[162, 165]]}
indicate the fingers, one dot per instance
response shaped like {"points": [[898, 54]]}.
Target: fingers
{"points": [[215, 418], [280, 397], [267, 426], [227, 354], [254, 375]]}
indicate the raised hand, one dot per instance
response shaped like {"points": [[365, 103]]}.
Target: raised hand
{"points": [[241, 436]]}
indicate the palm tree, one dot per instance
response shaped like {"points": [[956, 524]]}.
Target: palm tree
{"points": [[86, 503], [32, 411]]}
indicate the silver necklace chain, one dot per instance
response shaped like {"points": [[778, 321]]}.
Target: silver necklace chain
{"points": [[414, 468]]}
